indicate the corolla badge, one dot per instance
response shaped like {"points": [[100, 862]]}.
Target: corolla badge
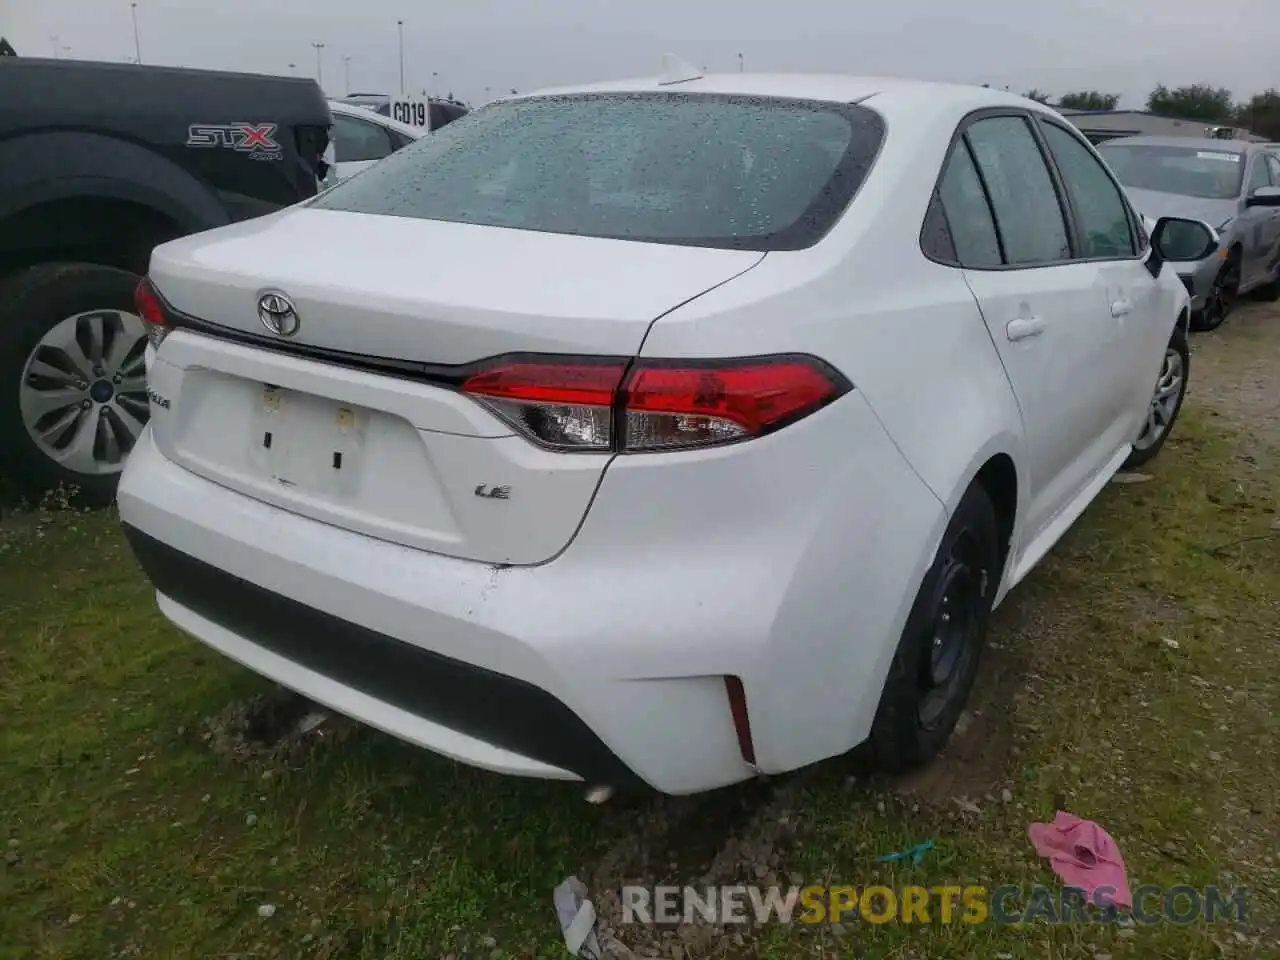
{"points": [[278, 314]]}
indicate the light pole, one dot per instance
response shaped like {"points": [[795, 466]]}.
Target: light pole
{"points": [[741, 64], [319, 65], [400, 30], [54, 41], [137, 47], [346, 73]]}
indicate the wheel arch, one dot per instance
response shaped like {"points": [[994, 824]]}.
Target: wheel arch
{"points": [[997, 468], [101, 229], [55, 184]]}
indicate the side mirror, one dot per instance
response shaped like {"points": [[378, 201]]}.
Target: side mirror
{"points": [[1183, 241], [1264, 197]]}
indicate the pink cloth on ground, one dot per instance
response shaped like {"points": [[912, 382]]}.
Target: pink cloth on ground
{"points": [[1084, 856]]}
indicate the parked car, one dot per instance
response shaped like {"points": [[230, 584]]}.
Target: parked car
{"points": [[1232, 185], [362, 138], [653, 434], [99, 162]]}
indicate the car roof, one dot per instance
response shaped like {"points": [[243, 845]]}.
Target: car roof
{"points": [[836, 88], [1196, 143], [364, 113]]}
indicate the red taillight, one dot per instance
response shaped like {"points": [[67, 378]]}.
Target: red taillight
{"points": [[659, 405], [695, 404], [151, 311], [564, 405]]}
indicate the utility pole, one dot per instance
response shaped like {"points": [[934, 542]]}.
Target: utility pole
{"points": [[400, 30], [346, 73], [319, 65], [137, 47], [54, 40]]}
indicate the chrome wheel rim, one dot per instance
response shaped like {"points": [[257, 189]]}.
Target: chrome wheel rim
{"points": [[1164, 401], [83, 395]]}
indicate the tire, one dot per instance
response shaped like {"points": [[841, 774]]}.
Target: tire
{"points": [[917, 714], [1177, 363], [86, 412], [1221, 299]]}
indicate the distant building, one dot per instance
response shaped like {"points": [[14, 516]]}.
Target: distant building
{"points": [[1101, 125]]}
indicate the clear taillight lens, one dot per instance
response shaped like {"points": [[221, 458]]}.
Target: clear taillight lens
{"points": [[658, 405]]}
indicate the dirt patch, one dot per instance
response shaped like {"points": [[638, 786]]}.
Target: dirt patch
{"points": [[1233, 372], [274, 728], [737, 835]]}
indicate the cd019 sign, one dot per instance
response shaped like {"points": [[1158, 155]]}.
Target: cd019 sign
{"points": [[411, 111]]}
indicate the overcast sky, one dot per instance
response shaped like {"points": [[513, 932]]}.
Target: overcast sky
{"points": [[1122, 46]]}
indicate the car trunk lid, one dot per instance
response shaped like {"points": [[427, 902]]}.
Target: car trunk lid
{"points": [[317, 423]]}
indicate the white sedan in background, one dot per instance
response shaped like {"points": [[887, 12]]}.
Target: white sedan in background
{"points": [[360, 138], [663, 432]]}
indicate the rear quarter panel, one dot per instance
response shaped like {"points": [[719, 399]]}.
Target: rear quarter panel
{"points": [[906, 331]]}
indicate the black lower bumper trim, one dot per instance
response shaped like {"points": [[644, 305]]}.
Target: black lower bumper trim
{"points": [[492, 707]]}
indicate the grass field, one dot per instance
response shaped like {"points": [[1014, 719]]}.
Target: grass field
{"points": [[1134, 679]]}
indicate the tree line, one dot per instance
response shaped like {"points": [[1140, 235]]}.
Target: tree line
{"points": [[1199, 101]]}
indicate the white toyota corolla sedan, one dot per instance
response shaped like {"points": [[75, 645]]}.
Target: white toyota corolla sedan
{"points": [[660, 433]]}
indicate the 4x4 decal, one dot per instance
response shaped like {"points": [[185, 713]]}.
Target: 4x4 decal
{"points": [[256, 139]]}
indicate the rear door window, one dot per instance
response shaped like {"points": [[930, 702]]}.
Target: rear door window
{"points": [[1030, 219]]}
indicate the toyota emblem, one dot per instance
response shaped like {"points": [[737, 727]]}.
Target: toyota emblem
{"points": [[278, 314]]}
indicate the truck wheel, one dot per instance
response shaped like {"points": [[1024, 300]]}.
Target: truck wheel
{"points": [[73, 392]]}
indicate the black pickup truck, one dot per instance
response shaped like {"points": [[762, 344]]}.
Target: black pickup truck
{"points": [[99, 163]]}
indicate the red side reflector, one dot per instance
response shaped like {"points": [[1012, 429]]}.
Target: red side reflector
{"points": [[741, 725]]}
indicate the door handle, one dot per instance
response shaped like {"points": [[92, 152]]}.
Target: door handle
{"points": [[1121, 307], [1023, 327]]}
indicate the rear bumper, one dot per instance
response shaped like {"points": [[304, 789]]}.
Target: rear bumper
{"points": [[519, 727], [789, 562]]}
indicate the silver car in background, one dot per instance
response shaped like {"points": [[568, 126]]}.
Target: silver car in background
{"points": [[1233, 186]]}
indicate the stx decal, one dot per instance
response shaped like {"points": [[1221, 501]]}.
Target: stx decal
{"points": [[257, 139]]}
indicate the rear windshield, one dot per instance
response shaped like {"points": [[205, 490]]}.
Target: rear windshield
{"points": [[1189, 171], [704, 170]]}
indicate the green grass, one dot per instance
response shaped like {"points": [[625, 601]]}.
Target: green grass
{"points": [[129, 833]]}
